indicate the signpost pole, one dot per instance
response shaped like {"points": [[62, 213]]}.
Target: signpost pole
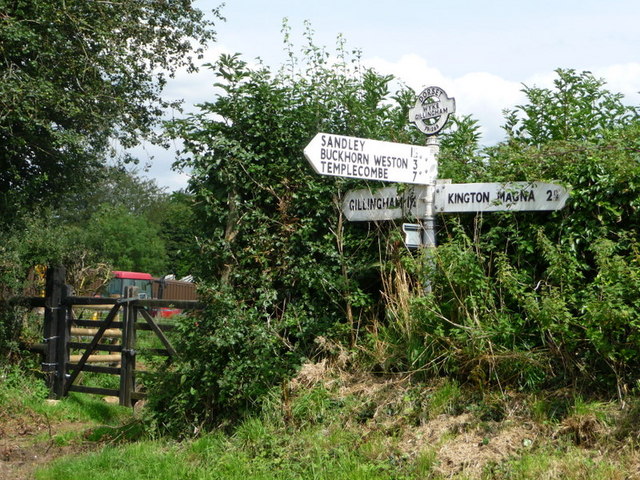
{"points": [[428, 222], [430, 114]]}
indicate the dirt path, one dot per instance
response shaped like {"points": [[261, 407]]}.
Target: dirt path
{"points": [[29, 441]]}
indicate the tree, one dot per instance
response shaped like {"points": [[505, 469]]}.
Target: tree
{"points": [[116, 186], [121, 188], [125, 240], [460, 158], [76, 75], [176, 223], [577, 108]]}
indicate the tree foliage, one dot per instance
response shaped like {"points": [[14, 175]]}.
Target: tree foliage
{"points": [[577, 108], [125, 240], [75, 75], [120, 194], [116, 186], [175, 219], [125, 221], [41, 241]]}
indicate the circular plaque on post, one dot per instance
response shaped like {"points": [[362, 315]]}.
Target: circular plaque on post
{"points": [[432, 110]]}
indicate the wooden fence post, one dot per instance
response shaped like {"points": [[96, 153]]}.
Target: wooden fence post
{"points": [[55, 282], [127, 379], [63, 332]]}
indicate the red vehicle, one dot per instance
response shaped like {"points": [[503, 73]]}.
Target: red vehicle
{"points": [[121, 280], [150, 287]]}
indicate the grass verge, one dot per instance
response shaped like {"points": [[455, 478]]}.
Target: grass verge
{"points": [[341, 426]]}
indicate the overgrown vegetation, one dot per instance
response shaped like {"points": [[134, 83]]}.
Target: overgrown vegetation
{"points": [[537, 300], [278, 265], [524, 301], [23, 393], [526, 313]]}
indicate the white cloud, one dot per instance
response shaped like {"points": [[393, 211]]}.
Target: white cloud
{"points": [[623, 78], [484, 96]]}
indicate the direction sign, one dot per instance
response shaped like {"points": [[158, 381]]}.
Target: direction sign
{"points": [[496, 197], [383, 204], [341, 156]]}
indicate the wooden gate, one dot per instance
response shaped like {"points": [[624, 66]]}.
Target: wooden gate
{"points": [[66, 331]]}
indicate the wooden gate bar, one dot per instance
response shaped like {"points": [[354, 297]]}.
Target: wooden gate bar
{"points": [[87, 301], [182, 304], [96, 369], [101, 347], [91, 332], [111, 358], [106, 324], [154, 326], [96, 324]]}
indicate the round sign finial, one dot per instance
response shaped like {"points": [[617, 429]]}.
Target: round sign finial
{"points": [[432, 110]]}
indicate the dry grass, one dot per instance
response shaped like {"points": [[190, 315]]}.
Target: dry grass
{"points": [[408, 419]]}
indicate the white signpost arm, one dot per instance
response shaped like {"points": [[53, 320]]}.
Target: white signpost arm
{"points": [[342, 156]]}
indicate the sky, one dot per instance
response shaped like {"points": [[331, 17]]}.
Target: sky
{"points": [[481, 53]]}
